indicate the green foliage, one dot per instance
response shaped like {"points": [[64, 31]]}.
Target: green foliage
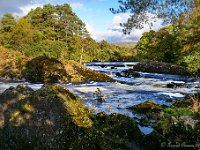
{"points": [[143, 11], [177, 112], [57, 32], [159, 46], [193, 63]]}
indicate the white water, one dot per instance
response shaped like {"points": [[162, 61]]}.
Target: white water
{"points": [[127, 91]]}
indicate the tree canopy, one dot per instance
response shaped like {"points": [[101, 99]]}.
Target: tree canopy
{"points": [[147, 11], [57, 32]]}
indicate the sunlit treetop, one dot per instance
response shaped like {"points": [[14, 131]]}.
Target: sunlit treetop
{"points": [[147, 11]]}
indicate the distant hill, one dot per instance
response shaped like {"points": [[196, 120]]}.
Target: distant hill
{"points": [[125, 44]]}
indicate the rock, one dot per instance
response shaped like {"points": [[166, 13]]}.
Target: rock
{"points": [[160, 67], [175, 85], [169, 100], [80, 73], [147, 107], [49, 118], [45, 70], [188, 101], [128, 73], [113, 67]]}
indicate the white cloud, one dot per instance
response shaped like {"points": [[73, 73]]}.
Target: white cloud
{"points": [[114, 31], [25, 9], [76, 5]]}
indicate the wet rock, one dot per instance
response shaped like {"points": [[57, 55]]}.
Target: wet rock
{"points": [[160, 67], [169, 100], [128, 73], [175, 85], [147, 107], [45, 70], [113, 67]]}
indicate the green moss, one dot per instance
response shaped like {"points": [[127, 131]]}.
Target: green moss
{"points": [[147, 107], [80, 73], [177, 112]]}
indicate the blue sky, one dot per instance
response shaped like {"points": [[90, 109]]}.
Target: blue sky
{"points": [[100, 22]]}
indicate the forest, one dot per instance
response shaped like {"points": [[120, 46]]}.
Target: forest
{"points": [[57, 32]]}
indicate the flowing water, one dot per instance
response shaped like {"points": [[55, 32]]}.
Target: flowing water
{"points": [[126, 92]]}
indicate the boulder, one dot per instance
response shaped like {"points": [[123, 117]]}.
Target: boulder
{"points": [[147, 107], [128, 73], [49, 118], [175, 85], [188, 101], [45, 70], [160, 67]]}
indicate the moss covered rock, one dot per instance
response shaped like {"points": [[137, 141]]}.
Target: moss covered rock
{"points": [[147, 107], [80, 73], [49, 118], [45, 70]]}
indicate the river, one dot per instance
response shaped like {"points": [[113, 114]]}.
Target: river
{"points": [[126, 92]]}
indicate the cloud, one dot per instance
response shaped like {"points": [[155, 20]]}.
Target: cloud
{"points": [[12, 6], [76, 5], [22, 7], [25, 9], [114, 31]]}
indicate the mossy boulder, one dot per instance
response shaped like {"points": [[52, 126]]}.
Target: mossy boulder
{"points": [[49, 118], [45, 70], [80, 73], [160, 67], [147, 107]]}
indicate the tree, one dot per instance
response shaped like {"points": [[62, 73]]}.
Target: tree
{"points": [[7, 22], [141, 10], [22, 34], [161, 46]]}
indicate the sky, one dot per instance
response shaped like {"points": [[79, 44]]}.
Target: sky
{"points": [[100, 22]]}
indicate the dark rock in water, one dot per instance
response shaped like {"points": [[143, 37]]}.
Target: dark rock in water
{"points": [[103, 66], [175, 85], [160, 67], [169, 100], [128, 73], [113, 67], [45, 70]]}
